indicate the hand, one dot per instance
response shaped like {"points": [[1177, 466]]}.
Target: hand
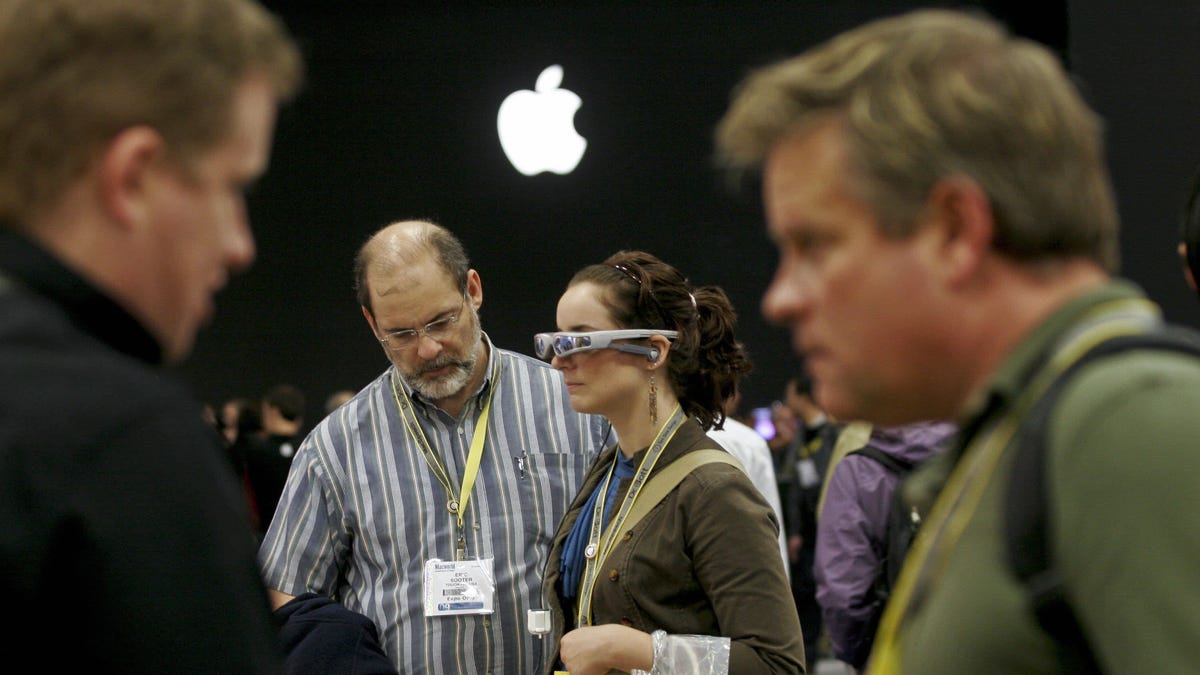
{"points": [[595, 650]]}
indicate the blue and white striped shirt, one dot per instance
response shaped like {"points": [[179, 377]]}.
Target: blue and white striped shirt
{"points": [[362, 512]]}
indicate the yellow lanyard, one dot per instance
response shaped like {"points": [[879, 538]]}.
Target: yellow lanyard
{"points": [[600, 544], [811, 448], [956, 503], [458, 506]]}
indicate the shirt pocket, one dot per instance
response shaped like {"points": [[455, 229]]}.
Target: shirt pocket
{"points": [[548, 482]]}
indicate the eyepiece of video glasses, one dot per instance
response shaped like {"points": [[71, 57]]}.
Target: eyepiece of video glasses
{"points": [[563, 344]]}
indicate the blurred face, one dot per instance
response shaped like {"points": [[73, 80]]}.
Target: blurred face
{"points": [[858, 303], [604, 381], [440, 363], [229, 421], [198, 233]]}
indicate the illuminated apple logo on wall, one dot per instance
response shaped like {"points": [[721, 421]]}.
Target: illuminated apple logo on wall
{"points": [[537, 128]]}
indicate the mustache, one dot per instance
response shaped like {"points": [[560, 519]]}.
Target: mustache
{"points": [[439, 363]]}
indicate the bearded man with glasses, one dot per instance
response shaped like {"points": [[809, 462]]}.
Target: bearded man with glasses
{"points": [[427, 502]]}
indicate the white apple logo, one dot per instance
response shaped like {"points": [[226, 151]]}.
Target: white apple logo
{"points": [[537, 129]]}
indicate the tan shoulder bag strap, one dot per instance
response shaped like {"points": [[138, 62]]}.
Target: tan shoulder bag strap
{"points": [[664, 481], [852, 437]]}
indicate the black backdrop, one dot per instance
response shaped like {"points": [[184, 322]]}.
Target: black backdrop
{"points": [[398, 121]]}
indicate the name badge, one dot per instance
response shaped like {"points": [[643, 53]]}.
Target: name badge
{"points": [[459, 587], [806, 469]]}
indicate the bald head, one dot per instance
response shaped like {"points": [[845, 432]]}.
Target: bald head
{"points": [[405, 245]]}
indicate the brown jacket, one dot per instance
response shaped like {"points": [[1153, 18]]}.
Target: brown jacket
{"points": [[705, 561]]}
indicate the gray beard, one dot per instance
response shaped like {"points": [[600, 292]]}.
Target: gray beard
{"points": [[452, 382], [445, 386]]}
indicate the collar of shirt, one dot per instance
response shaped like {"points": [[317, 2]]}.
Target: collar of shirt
{"points": [[30, 266], [1010, 379]]}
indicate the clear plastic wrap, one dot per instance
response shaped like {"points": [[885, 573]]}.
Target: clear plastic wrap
{"points": [[690, 654]]}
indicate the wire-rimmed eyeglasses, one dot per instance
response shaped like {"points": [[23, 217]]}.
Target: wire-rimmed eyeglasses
{"points": [[437, 330], [549, 345]]}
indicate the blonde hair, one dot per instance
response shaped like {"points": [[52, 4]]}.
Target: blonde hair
{"points": [[933, 94], [75, 73]]}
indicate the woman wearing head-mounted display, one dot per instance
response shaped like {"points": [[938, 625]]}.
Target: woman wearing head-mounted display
{"points": [[668, 558]]}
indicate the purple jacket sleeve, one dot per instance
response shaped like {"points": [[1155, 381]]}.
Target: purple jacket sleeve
{"points": [[850, 537]]}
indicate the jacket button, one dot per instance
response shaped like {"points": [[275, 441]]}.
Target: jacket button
{"points": [[614, 575], [628, 535], [626, 621]]}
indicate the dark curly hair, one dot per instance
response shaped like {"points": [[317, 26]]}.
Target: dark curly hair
{"points": [[706, 359]]}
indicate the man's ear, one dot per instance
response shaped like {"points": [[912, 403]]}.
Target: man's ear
{"points": [[961, 213], [475, 288], [370, 319], [1188, 275], [124, 173]]}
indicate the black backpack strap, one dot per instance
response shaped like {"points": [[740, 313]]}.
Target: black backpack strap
{"points": [[1027, 505], [896, 465]]}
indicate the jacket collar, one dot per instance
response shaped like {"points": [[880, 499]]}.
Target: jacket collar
{"points": [[29, 266]]}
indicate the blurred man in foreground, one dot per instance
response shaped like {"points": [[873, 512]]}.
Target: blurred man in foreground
{"points": [[128, 131], [947, 235]]}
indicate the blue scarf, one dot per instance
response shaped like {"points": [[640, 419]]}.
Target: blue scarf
{"points": [[573, 561]]}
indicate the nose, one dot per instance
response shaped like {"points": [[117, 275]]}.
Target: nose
{"points": [[427, 347], [239, 243], [788, 296]]}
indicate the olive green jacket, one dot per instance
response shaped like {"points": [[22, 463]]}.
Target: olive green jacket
{"points": [[705, 561], [1123, 453]]}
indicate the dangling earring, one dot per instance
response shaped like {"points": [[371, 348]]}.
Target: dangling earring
{"points": [[653, 401]]}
